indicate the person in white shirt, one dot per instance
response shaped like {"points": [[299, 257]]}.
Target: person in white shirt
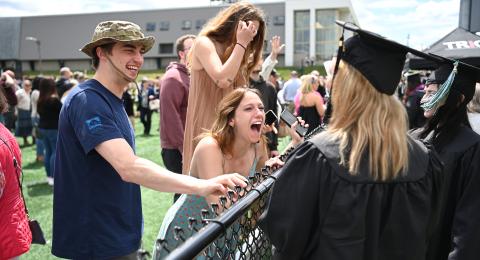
{"points": [[23, 126]]}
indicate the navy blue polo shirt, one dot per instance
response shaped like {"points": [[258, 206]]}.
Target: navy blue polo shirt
{"points": [[96, 215]]}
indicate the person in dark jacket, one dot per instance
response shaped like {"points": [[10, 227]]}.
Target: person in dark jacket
{"points": [[63, 84], [412, 97], [146, 93], [363, 189], [447, 94], [269, 99], [128, 104]]}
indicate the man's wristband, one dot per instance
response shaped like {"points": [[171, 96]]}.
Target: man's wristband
{"points": [[245, 49]]}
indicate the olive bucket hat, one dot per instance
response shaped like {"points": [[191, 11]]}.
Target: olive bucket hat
{"points": [[117, 31]]}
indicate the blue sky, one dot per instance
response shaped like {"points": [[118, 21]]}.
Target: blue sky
{"points": [[423, 22]]}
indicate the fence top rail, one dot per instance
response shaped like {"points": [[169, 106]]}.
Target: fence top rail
{"points": [[216, 227]]}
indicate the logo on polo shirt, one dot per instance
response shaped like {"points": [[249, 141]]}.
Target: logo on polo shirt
{"points": [[93, 122]]}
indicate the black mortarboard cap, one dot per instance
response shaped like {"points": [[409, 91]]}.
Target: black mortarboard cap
{"points": [[440, 75], [465, 80], [380, 60]]}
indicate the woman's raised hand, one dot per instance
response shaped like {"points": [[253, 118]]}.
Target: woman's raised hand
{"points": [[246, 31]]}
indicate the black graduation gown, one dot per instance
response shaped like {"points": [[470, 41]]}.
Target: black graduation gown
{"points": [[457, 234], [318, 210]]}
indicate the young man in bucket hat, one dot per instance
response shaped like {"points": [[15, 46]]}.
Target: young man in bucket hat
{"points": [[97, 210]]}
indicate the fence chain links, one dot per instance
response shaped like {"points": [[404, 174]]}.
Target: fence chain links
{"points": [[243, 239]]}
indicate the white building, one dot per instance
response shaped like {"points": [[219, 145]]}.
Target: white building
{"points": [[306, 26]]}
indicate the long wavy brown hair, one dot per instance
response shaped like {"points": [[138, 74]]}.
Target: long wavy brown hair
{"points": [[221, 131], [366, 120], [223, 29]]}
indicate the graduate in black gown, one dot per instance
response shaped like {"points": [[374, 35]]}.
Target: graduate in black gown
{"points": [[457, 236], [362, 189]]}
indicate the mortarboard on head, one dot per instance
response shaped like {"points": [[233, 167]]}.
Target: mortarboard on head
{"points": [[378, 59], [452, 75], [440, 75], [465, 80]]}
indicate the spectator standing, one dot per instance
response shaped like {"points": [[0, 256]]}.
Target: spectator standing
{"points": [[48, 108], [269, 100], [128, 103], [219, 62], [145, 95], [24, 112], [173, 106], [97, 208], [290, 89], [309, 103], [63, 83], [40, 148], [272, 80]]}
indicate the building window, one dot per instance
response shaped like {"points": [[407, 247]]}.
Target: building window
{"points": [[265, 45], [165, 48], [164, 26], [326, 33], [150, 27], [279, 20], [199, 24], [186, 25], [302, 32]]}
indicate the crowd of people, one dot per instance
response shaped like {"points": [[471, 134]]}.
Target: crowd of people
{"points": [[393, 176]]}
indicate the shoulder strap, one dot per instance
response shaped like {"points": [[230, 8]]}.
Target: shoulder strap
{"points": [[18, 173]]}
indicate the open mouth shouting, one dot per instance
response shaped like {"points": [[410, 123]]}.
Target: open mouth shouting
{"points": [[256, 127]]}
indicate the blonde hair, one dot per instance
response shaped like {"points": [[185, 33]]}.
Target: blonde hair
{"points": [[307, 85], [365, 119], [474, 105], [223, 29]]}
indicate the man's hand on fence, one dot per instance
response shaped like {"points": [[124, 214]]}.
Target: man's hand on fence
{"points": [[219, 185], [274, 163]]}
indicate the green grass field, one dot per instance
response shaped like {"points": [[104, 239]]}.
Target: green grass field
{"points": [[38, 194]]}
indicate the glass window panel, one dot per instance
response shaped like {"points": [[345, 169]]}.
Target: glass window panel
{"points": [[326, 33], [164, 26], [302, 31], [186, 25], [165, 48], [150, 27]]}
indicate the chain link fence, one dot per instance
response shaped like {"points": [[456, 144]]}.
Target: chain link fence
{"points": [[229, 230]]}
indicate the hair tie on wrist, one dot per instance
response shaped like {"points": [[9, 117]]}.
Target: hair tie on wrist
{"points": [[245, 49]]}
